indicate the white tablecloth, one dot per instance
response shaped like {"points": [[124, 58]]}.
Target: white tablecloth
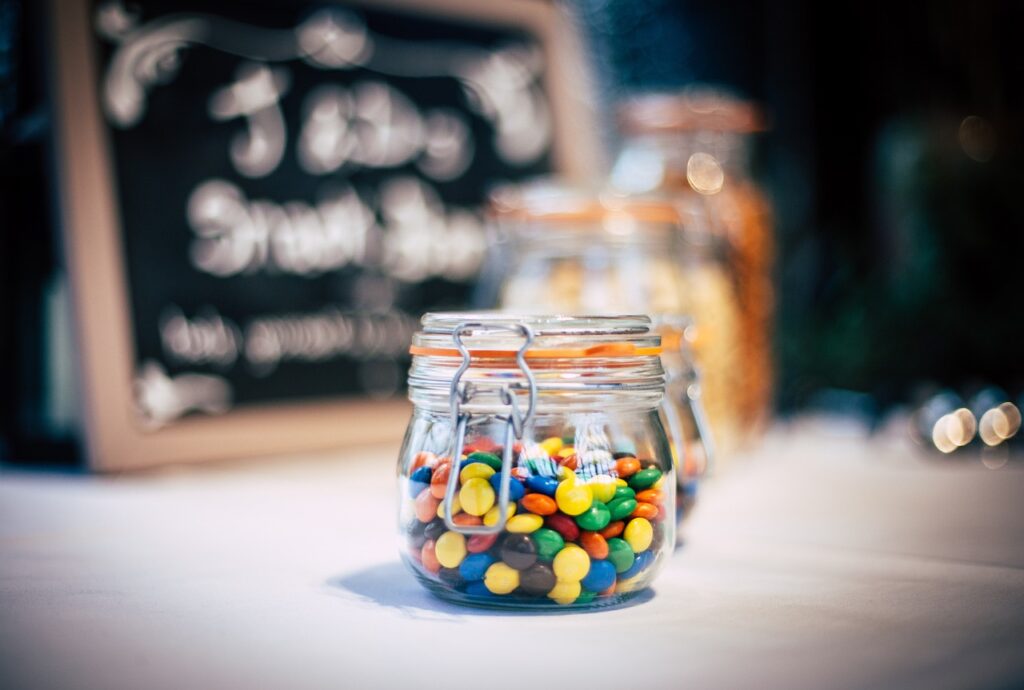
{"points": [[820, 561]]}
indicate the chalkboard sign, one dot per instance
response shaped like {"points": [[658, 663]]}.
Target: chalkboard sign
{"points": [[260, 199]]}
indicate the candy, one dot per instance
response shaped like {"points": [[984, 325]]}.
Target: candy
{"points": [[426, 506], [542, 485], [476, 496], [639, 565], [477, 469], [491, 516], [515, 487], [475, 565], [565, 592], [620, 554], [478, 590], [552, 445], [549, 542], [573, 498], [439, 479], [538, 579], [644, 479], [623, 491], [595, 545], [450, 576], [466, 520], [450, 549], [621, 508], [571, 563], [564, 525], [638, 534], [489, 459], [456, 507], [524, 523], [434, 530], [645, 510], [600, 577], [627, 466], [651, 496], [613, 529], [570, 461], [429, 558], [586, 597], [539, 504], [602, 487], [596, 517], [501, 578], [478, 543], [423, 459], [519, 551], [419, 480]]}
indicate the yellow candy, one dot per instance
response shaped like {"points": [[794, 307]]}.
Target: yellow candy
{"points": [[602, 487], [573, 498], [552, 445], [566, 452], [525, 523], [628, 585], [476, 496], [571, 563], [491, 516], [638, 534], [456, 507], [501, 578], [619, 481], [450, 549], [660, 483], [565, 591], [476, 469]]}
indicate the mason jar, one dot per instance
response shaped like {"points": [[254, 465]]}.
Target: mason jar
{"points": [[694, 147], [536, 472]]}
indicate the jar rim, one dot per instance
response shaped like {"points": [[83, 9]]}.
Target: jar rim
{"points": [[690, 110], [553, 201]]}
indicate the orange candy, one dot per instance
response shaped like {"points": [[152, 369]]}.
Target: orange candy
{"points": [[439, 480], [423, 459], [429, 557], [426, 506], [595, 545], [539, 504], [650, 496], [627, 467], [645, 510], [608, 592], [466, 519], [613, 529], [570, 462], [520, 473]]}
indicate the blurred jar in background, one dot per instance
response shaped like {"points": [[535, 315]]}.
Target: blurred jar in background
{"points": [[694, 146], [573, 251]]}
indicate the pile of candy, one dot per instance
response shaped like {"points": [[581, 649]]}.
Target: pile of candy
{"points": [[575, 531]]}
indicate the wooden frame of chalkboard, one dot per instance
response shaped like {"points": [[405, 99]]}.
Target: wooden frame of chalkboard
{"points": [[113, 437]]}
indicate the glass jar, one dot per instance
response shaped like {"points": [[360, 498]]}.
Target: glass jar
{"points": [[564, 476], [694, 146], [570, 250]]}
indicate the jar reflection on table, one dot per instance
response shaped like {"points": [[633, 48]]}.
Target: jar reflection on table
{"points": [[576, 251], [695, 147]]}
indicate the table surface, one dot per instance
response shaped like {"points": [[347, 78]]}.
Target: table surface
{"points": [[821, 560]]}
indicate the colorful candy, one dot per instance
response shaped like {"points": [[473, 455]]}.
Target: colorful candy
{"points": [[580, 526]]}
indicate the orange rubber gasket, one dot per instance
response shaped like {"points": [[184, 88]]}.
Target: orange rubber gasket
{"points": [[603, 350]]}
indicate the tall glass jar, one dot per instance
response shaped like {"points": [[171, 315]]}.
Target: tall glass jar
{"points": [[577, 251], [694, 146], [536, 471]]}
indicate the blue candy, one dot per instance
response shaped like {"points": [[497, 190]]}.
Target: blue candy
{"points": [[643, 559], [515, 487], [600, 577], [416, 488], [423, 474], [542, 485], [474, 566], [478, 589]]}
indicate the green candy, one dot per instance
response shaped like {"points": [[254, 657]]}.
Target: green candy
{"points": [[585, 597], [623, 492], [644, 479], [620, 554], [621, 508], [596, 517], [487, 458], [549, 542]]}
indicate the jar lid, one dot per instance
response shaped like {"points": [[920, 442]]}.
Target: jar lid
{"points": [[554, 202], [494, 335], [693, 109]]}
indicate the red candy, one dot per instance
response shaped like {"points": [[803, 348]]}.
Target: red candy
{"points": [[429, 557], [439, 480], [479, 543], [564, 525]]}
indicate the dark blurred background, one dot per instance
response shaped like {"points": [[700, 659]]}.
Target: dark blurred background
{"points": [[894, 161]]}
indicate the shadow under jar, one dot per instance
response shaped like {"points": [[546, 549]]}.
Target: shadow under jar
{"points": [[536, 472]]}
